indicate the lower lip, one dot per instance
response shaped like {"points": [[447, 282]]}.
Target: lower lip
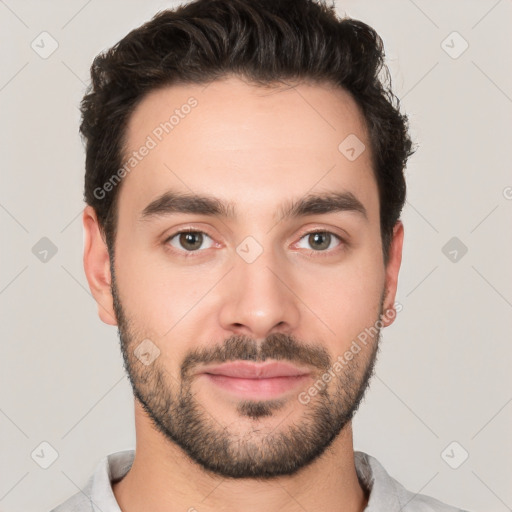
{"points": [[257, 388]]}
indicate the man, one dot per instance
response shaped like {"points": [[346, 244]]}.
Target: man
{"points": [[244, 183]]}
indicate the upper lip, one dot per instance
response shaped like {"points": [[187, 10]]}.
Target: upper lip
{"points": [[250, 370]]}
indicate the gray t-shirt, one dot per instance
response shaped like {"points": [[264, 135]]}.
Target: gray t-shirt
{"points": [[386, 494]]}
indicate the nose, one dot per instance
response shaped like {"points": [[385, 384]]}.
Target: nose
{"points": [[258, 299]]}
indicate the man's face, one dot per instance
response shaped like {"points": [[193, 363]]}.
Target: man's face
{"points": [[253, 286]]}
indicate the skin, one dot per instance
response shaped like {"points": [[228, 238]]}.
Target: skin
{"points": [[257, 148]]}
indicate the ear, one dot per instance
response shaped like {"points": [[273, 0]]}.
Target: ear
{"points": [[97, 266], [392, 269]]}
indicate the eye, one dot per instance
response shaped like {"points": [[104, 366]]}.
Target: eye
{"points": [[320, 241], [189, 240]]}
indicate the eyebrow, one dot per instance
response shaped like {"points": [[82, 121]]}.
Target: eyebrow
{"points": [[312, 204]]}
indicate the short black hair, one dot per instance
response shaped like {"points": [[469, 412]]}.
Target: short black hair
{"points": [[262, 41]]}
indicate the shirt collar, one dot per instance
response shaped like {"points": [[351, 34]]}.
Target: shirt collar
{"points": [[385, 493]]}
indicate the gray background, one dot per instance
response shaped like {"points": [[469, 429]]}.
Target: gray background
{"points": [[444, 369]]}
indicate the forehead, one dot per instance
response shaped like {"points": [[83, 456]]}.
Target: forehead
{"points": [[251, 146]]}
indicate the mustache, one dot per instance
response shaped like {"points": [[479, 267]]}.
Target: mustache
{"points": [[276, 346]]}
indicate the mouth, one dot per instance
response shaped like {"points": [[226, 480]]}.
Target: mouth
{"points": [[256, 380]]}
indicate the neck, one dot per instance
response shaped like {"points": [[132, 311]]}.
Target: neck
{"points": [[163, 479]]}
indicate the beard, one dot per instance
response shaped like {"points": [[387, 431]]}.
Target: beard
{"points": [[257, 453]]}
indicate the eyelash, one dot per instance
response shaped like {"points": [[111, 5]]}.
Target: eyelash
{"points": [[316, 254]]}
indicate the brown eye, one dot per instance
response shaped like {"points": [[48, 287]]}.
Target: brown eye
{"points": [[320, 241], [189, 241]]}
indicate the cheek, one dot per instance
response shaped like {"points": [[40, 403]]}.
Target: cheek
{"points": [[346, 297], [157, 294]]}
